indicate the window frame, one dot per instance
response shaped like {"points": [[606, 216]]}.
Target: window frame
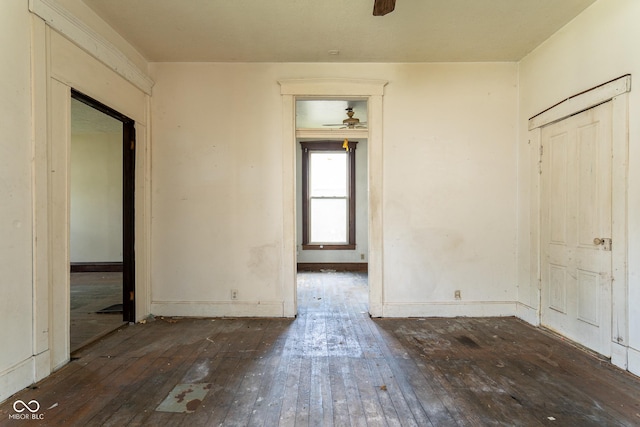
{"points": [[337, 146]]}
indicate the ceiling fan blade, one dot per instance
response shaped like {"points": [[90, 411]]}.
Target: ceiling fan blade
{"points": [[382, 7]]}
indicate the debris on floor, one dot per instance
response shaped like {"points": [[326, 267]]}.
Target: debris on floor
{"points": [[184, 398]]}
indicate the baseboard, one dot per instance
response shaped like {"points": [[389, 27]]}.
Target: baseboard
{"points": [[450, 309], [218, 309], [336, 266], [97, 267], [528, 314], [16, 378], [633, 361], [619, 355]]}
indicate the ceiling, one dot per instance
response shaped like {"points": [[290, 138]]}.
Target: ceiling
{"points": [[86, 119], [307, 30]]}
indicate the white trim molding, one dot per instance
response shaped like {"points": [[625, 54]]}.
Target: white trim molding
{"points": [[218, 308], [16, 378], [332, 133], [633, 361], [451, 309], [582, 101], [528, 314], [332, 87], [615, 91], [82, 35], [372, 90]]}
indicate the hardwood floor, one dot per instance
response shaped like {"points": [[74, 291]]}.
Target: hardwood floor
{"points": [[90, 293], [333, 365]]}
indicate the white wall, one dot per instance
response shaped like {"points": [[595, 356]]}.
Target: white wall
{"points": [[598, 46], [16, 277], [360, 254], [449, 194], [216, 187], [96, 197], [449, 189]]}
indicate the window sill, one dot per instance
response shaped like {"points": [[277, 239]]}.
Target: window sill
{"points": [[331, 247]]}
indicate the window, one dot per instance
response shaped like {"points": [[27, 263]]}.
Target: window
{"points": [[328, 195]]}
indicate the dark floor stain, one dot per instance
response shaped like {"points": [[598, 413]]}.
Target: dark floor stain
{"points": [[465, 340], [192, 405], [180, 397]]}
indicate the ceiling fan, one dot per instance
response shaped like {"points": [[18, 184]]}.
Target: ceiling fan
{"points": [[382, 7], [350, 122]]}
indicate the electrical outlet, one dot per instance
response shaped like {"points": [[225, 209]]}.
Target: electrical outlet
{"points": [[362, 256], [457, 294], [234, 294]]}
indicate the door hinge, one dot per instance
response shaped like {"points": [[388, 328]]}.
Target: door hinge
{"points": [[540, 160], [132, 145], [131, 296]]}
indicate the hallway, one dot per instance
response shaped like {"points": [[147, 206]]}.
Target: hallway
{"points": [[332, 365]]}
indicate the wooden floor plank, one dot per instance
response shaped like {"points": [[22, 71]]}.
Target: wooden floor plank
{"points": [[225, 381], [122, 409], [335, 366], [338, 392], [269, 380], [424, 411], [426, 377], [321, 408], [267, 411], [90, 293], [290, 396], [304, 392], [396, 411], [354, 401], [367, 392]]}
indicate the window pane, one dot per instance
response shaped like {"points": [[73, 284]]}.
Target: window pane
{"points": [[328, 220], [323, 114], [328, 174]]}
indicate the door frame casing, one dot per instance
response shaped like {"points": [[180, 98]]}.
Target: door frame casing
{"points": [[60, 65], [372, 91], [615, 91], [128, 144]]}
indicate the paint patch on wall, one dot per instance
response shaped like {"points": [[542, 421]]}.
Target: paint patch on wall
{"points": [[264, 261]]}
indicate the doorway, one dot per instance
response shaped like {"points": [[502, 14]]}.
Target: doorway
{"points": [[372, 91], [331, 190], [101, 220]]}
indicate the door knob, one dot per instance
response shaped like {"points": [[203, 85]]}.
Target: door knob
{"points": [[605, 242]]}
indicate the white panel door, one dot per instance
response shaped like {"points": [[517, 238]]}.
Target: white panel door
{"points": [[576, 228]]}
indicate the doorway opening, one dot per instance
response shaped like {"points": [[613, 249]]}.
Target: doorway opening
{"points": [[101, 240], [332, 212]]}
